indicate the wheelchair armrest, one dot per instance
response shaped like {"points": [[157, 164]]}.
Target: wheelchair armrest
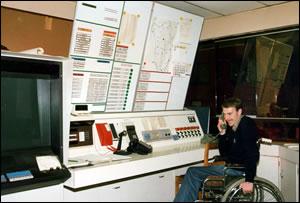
{"points": [[234, 166], [219, 158]]}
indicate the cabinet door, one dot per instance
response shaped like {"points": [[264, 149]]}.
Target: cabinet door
{"points": [[288, 174], [104, 193], [157, 187], [45, 194], [268, 168]]}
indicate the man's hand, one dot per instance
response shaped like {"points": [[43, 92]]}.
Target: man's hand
{"points": [[247, 187], [221, 122]]}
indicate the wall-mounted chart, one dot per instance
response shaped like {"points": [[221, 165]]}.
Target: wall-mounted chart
{"points": [[128, 57], [168, 59], [132, 55], [107, 44]]}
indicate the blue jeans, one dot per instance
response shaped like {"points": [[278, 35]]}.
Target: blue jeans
{"points": [[194, 178]]}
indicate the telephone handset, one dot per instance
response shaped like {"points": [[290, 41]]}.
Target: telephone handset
{"points": [[135, 145], [224, 126]]}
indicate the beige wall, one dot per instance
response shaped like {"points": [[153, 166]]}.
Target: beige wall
{"points": [[272, 17], [278, 16], [60, 9]]}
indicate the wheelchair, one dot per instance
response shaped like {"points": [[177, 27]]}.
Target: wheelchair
{"points": [[226, 189]]}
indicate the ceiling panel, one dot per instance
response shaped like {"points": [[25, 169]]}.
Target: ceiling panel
{"points": [[228, 7], [272, 2], [212, 9], [191, 8]]}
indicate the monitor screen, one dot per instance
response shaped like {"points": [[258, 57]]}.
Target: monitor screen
{"points": [[30, 104]]}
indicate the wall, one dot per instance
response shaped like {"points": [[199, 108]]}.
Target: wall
{"points": [[60, 9], [277, 16], [24, 30]]}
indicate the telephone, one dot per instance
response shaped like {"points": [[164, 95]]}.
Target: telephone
{"points": [[224, 126], [135, 145]]}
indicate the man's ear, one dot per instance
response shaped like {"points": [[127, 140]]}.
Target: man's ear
{"points": [[240, 111]]}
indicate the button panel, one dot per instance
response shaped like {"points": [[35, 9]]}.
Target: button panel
{"points": [[188, 132], [19, 175]]}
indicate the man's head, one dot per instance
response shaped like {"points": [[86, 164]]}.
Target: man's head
{"points": [[232, 109]]}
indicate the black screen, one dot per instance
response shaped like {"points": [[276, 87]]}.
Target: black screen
{"points": [[81, 107], [26, 103]]}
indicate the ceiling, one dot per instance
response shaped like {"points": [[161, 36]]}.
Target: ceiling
{"points": [[213, 9]]}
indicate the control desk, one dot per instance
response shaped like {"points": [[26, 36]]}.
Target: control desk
{"points": [[174, 137]]}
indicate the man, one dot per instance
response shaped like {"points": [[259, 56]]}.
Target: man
{"points": [[238, 142]]}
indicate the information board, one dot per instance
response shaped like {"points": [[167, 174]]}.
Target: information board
{"points": [[168, 59], [132, 55]]}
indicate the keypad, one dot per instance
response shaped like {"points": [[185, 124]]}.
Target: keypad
{"points": [[19, 175]]}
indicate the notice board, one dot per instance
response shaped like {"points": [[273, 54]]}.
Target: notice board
{"points": [[132, 55]]}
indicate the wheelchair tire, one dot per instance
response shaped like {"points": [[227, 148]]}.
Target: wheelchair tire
{"points": [[263, 191]]}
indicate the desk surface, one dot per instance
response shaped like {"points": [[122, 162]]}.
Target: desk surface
{"points": [[160, 159]]}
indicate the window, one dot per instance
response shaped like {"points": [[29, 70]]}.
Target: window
{"points": [[261, 69]]}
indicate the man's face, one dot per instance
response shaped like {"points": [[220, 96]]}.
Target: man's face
{"points": [[231, 115]]}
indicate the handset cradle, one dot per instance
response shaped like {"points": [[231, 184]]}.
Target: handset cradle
{"points": [[135, 145], [119, 151]]}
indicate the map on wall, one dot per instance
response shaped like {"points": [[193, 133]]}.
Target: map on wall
{"points": [[132, 55], [168, 59]]}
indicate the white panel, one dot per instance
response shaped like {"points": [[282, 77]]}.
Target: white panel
{"points": [[272, 2], [288, 180], [228, 7], [171, 47], [263, 169], [145, 189], [45, 194], [189, 7], [100, 12]]}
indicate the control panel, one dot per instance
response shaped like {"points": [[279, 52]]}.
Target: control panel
{"points": [[156, 135], [187, 132], [159, 129]]}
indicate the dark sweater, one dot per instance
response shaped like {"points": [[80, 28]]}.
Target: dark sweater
{"points": [[240, 146]]}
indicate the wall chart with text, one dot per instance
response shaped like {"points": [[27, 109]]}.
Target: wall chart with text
{"points": [[132, 55]]}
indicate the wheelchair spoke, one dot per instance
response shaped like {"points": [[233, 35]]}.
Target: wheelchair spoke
{"points": [[263, 191]]}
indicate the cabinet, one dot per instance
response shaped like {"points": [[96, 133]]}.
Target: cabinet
{"points": [[148, 188], [288, 177], [280, 165], [45, 194]]}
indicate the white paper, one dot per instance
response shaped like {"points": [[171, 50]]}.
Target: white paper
{"points": [[48, 162], [94, 158], [38, 50]]}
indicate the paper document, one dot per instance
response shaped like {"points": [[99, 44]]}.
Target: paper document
{"points": [[93, 158], [77, 163], [48, 162], [116, 157]]}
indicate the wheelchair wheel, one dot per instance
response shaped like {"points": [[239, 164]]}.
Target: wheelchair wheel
{"points": [[263, 191]]}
